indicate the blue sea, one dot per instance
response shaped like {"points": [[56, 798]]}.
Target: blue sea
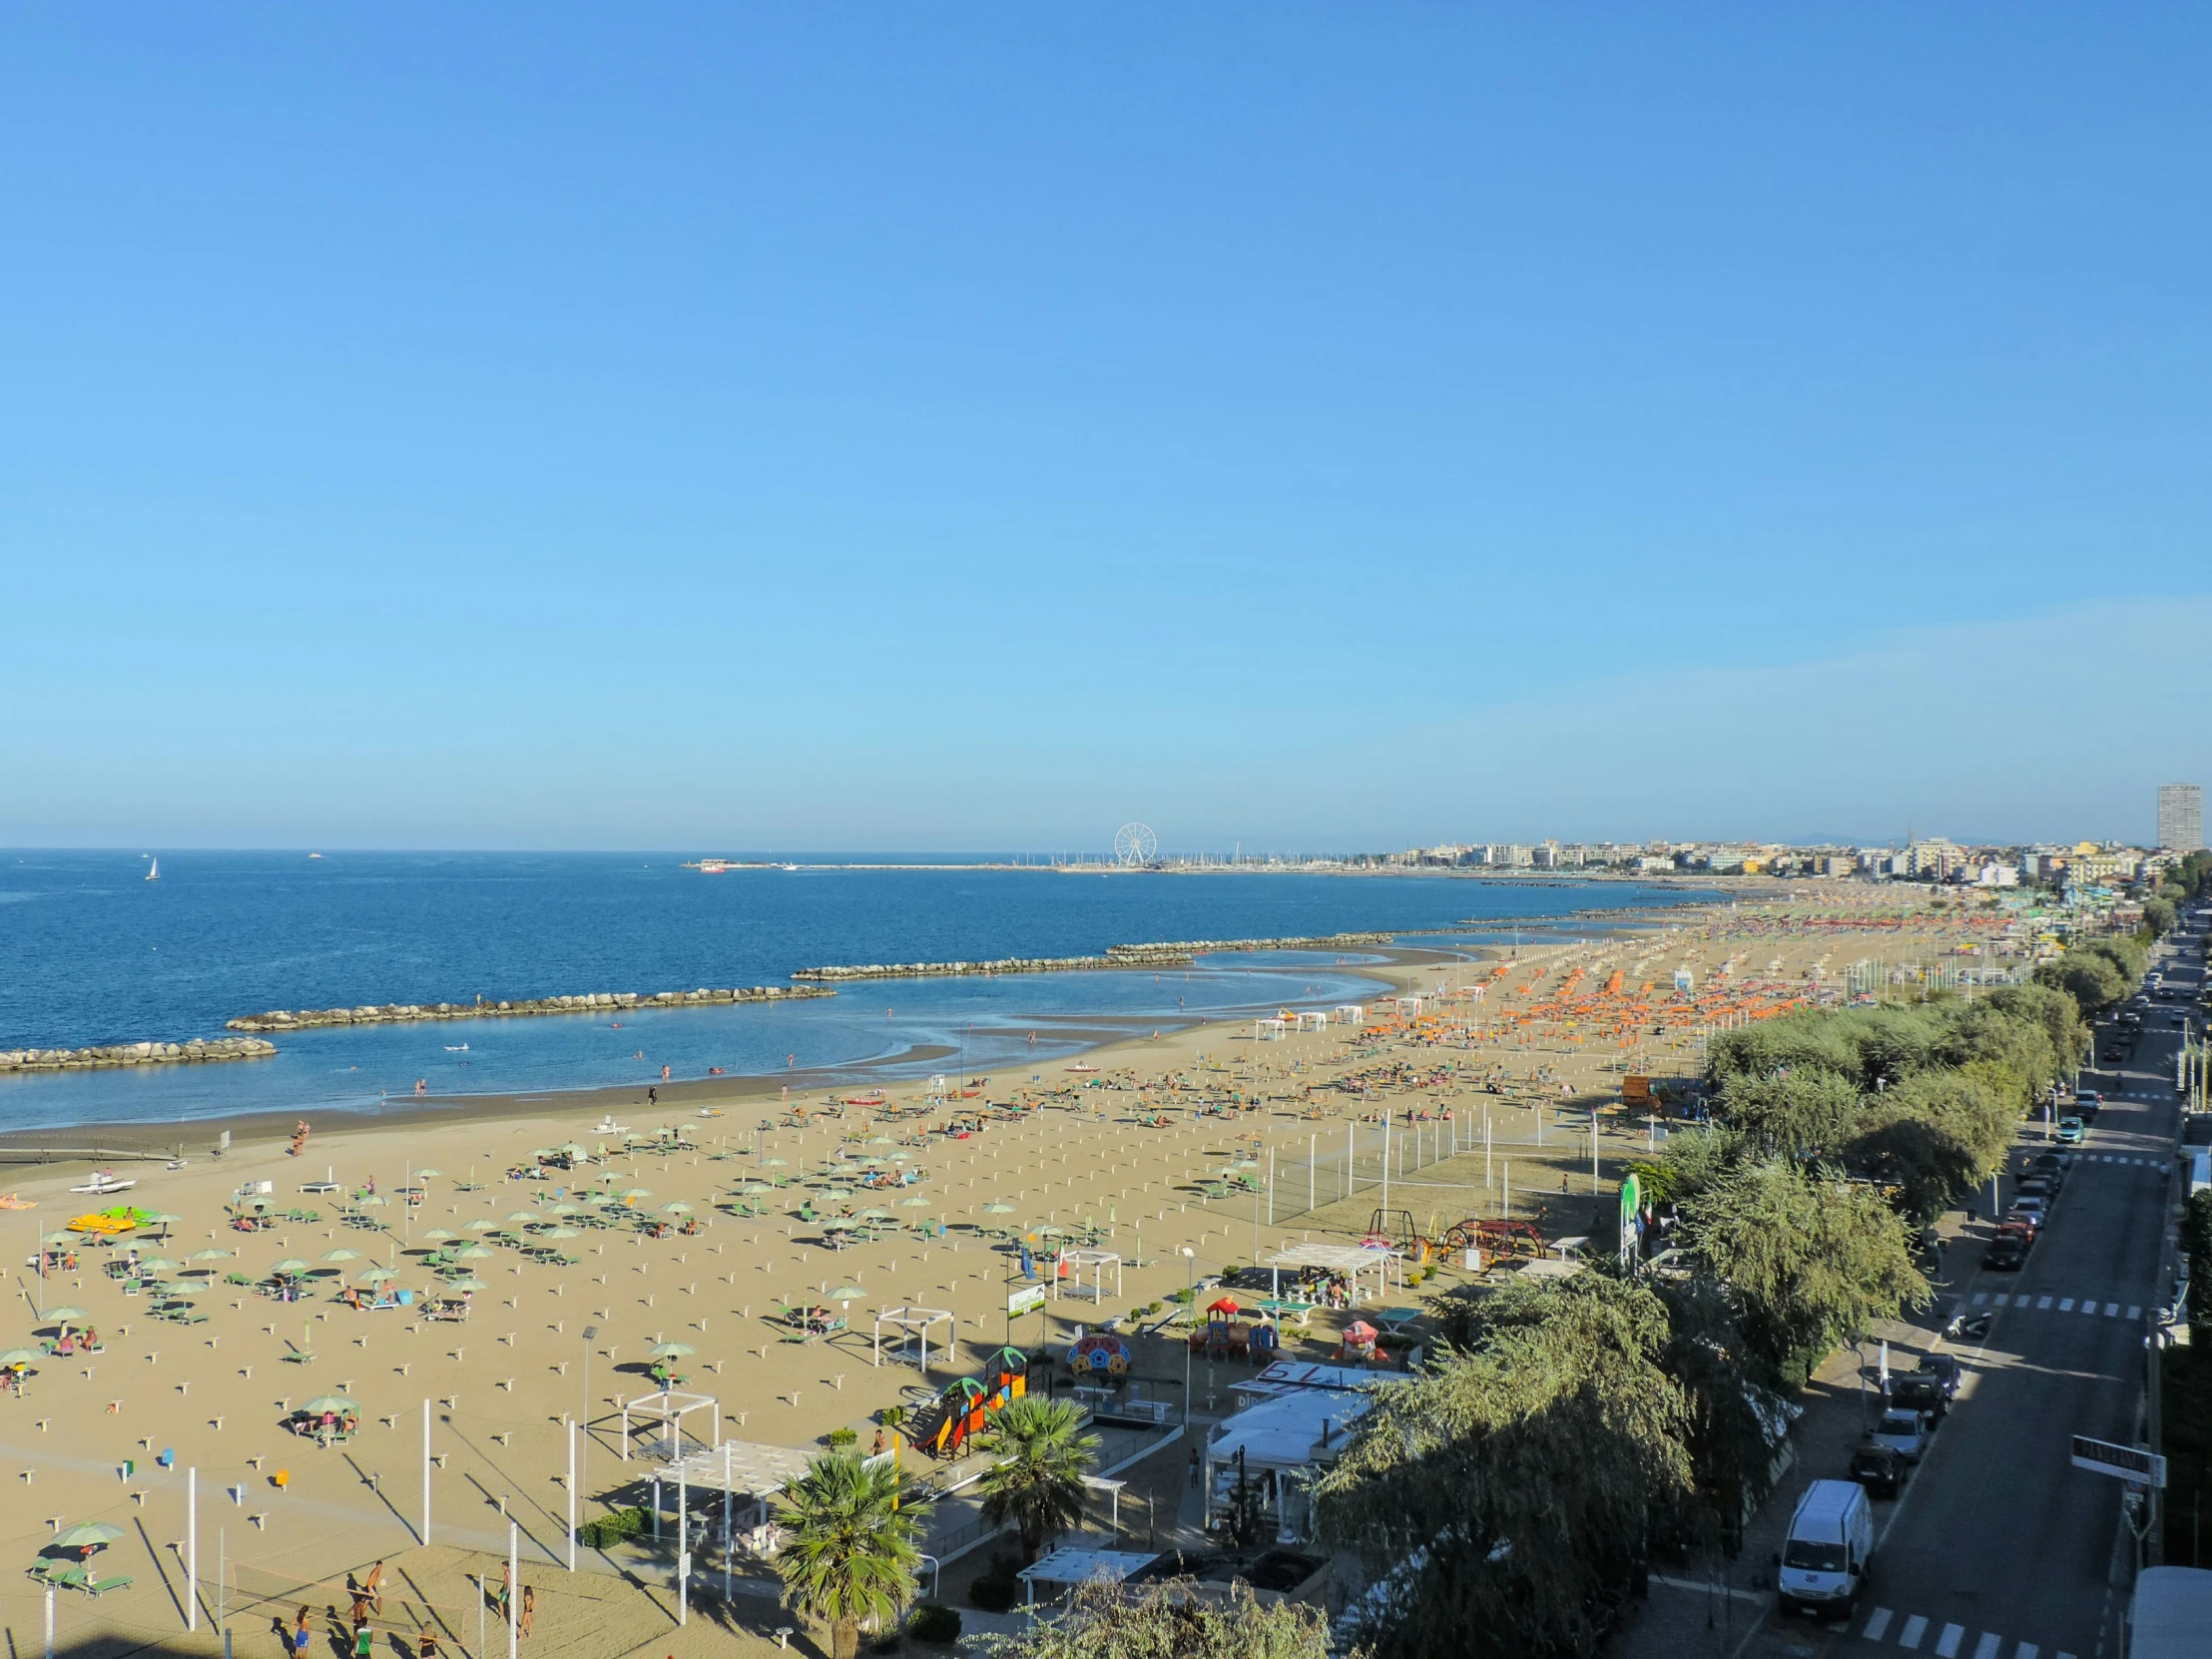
{"points": [[93, 952]]}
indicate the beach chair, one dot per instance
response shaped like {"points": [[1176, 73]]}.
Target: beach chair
{"points": [[98, 1587], [63, 1575]]}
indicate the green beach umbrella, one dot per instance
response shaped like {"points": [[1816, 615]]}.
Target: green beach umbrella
{"points": [[21, 1356], [998, 1209], [87, 1535], [473, 1252], [159, 1218], [211, 1256], [774, 1163], [373, 1201], [156, 1264], [466, 1281], [328, 1403], [668, 1350], [917, 1202], [483, 1224], [753, 1189], [563, 1210], [428, 1174], [525, 1216], [64, 1315], [676, 1207], [376, 1276], [630, 1195], [184, 1290], [341, 1254], [848, 1294], [839, 1224], [62, 1239], [876, 1213], [563, 1233], [439, 1235], [290, 1265]]}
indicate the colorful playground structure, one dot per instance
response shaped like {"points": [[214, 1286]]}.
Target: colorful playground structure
{"points": [[945, 1428]]}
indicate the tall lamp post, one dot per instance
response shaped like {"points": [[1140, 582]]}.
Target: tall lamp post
{"points": [[1189, 1308], [583, 1446]]}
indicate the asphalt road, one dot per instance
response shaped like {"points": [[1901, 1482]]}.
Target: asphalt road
{"points": [[1999, 1548]]}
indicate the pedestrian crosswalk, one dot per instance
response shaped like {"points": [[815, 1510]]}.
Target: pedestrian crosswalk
{"points": [[1917, 1633], [2052, 1303], [2114, 1158]]}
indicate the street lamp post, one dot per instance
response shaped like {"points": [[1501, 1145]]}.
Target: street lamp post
{"points": [[1190, 1309], [583, 1446]]}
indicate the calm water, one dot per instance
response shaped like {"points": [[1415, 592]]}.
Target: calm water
{"points": [[92, 953]]}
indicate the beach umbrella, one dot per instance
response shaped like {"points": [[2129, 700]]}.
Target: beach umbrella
{"points": [[87, 1535], [211, 1256], [917, 1202], [184, 1290], [836, 1192], [156, 1264], [876, 1213], [64, 1315], [848, 1294], [62, 1239], [341, 1254], [774, 1163], [564, 1233], [328, 1403], [753, 1189], [159, 1218], [373, 1201], [525, 1216], [1051, 1232], [21, 1356], [483, 1224], [676, 1207], [473, 1252], [439, 1235], [998, 1209], [563, 1209], [880, 1140], [428, 1174], [630, 1195], [376, 1276], [289, 1266], [467, 1281], [668, 1350], [839, 1224]]}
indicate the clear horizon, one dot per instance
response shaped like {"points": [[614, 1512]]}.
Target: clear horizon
{"points": [[708, 430]]}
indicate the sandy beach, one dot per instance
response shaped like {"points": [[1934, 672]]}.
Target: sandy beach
{"points": [[1205, 1138]]}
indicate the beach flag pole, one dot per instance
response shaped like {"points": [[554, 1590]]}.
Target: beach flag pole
{"points": [[515, 1585]]}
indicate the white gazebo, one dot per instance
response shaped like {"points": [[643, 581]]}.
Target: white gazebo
{"points": [[1095, 1263], [1269, 1030], [1350, 1260], [668, 1409], [911, 1322], [1083, 1566], [1313, 1019], [741, 1471], [1352, 1013]]}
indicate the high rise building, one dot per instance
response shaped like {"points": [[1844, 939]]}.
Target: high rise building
{"points": [[2181, 816]]}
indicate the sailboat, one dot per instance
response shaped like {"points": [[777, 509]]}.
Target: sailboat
{"points": [[154, 870]]}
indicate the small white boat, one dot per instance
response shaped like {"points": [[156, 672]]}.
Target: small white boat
{"points": [[786, 866], [456, 1048], [154, 870], [105, 1181]]}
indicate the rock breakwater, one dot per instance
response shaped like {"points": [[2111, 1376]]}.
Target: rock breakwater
{"points": [[134, 1054], [585, 1002], [1180, 953]]}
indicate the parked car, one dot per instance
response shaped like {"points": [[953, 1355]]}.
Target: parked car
{"points": [[2008, 1252], [2087, 1105], [2114, 1055], [1904, 1432], [2051, 1164], [1944, 1368], [2029, 1207], [2044, 1187], [2070, 1132], [1923, 1394], [1878, 1469]]}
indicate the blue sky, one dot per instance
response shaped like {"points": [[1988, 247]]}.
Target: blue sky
{"points": [[976, 426]]}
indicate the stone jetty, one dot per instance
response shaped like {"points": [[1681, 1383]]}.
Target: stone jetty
{"points": [[134, 1054], [1175, 955], [585, 1002]]}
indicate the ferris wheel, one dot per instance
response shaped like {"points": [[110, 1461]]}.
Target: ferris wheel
{"points": [[1135, 843]]}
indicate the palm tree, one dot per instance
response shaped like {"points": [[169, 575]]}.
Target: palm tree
{"points": [[851, 1550], [1038, 1480]]}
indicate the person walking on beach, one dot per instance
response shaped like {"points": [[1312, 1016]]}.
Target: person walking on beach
{"points": [[506, 1586], [529, 1608], [300, 1635], [374, 1587]]}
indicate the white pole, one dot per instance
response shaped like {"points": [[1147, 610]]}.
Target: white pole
{"points": [[1351, 1154], [682, 1588], [728, 1521], [514, 1586], [426, 1471], [571, 1494], [1386, 1158], [49, 1621], [1593, 1152], [192, 1548], [1313, 1155]]}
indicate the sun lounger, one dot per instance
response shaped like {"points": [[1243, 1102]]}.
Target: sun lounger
{"points": [[97, 1587]]}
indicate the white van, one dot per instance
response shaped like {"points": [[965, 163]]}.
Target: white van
{"points": [[1824, 1556]]}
